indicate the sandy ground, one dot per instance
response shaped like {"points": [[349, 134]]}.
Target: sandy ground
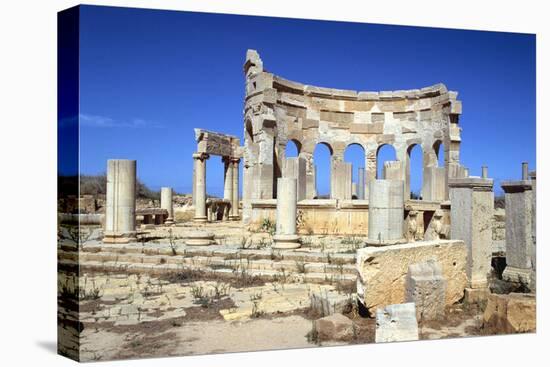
{"points": [[203, 337]]}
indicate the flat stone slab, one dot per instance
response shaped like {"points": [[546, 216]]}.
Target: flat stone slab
{"points": [[396, 323], [382, 271]]}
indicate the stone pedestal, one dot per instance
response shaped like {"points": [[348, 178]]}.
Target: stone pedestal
{"points": [[520, 244], [386, 212], [286, 237], [426, 287], [166, 202], [472, 202], [120, 209], [200, 186]]}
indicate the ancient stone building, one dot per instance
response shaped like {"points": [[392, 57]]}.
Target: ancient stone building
{"points": [[278, 111]]}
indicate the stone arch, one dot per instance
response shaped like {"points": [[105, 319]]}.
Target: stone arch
{"points": [[380, 165], [358, 160], [408, 176], [321, 171], [295, 143]]}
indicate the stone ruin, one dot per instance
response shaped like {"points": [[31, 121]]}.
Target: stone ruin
{"points": [[417, 256]]}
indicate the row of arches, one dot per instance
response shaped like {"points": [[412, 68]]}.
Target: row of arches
{"points": [[355, 154]]}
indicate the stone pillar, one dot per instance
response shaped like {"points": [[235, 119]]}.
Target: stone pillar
{"points": [[166, 202], [361, 184], [433, 188], [295, 167], [520, 222], [285, 237], [234, 213], [392, 170], [200, 186], [340, 180], [228, 178], [484, 172], [120, 210], [472, 202], [386, 212]]}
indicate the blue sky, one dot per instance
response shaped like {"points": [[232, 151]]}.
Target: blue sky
{"points": [[148, 77]]}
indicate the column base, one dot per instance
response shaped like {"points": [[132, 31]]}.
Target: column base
{"points": [[200, 219], [518, 275], [117, 237], [200, 238], [234, 217], [286, 241]]}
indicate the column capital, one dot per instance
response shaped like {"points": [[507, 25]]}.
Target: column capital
{"points": [[510, 187], [475, 183], [201, 156]]}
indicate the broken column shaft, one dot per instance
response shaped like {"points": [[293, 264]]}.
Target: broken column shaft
{"points": [[120, 211]]}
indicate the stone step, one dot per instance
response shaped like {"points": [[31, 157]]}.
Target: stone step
{"points": [[217, 262], [227, 253], [167, 268]]}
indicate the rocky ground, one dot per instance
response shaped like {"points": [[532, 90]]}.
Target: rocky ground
{"points": [[188, 311]]}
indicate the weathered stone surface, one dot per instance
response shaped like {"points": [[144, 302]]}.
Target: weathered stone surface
{"points": [[511, 313], [382, 271], [472, 203], [396, 323], [326, 302], [334, 327], [426, 288], [386, 211]]}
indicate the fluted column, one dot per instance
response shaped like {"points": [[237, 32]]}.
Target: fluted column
{"points": [[200, 186]]}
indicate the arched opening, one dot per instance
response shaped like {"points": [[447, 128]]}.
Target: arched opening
{"points": [[322, 158], [292, 148], [355, 154], [414, 171], [439, 151], [385, 152]]}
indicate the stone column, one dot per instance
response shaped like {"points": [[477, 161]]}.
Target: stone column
{"points": [[361, 184], [472, 202], [120, 210], [228, 178], [286, 237], [166, 202], [341, 180], [234, 214], [386, 212], [433, 188], [295, 167], [200, 186], [520, 222]]}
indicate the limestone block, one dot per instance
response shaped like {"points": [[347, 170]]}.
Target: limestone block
{"points": [[472, 202], [329, 302], [511, 313], [433, 187], [386, 211], [382, 271], [393, 170], [341, 180], [334, 327], [426, 288], [295, 167], [396, 323]]}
